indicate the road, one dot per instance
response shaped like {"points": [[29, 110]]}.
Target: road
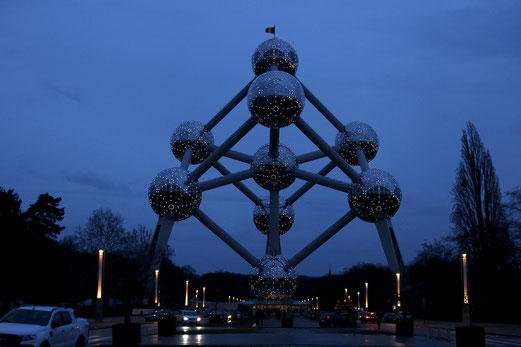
{"points": [[305, 333]]}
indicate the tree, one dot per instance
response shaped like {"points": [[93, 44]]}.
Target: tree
{"points": [[479, 224], [42, 217], [514, 208], [104, 230]]}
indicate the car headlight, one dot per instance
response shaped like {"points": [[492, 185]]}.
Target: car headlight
{"points": [[185, 318], [28, 337], [198, 319]]}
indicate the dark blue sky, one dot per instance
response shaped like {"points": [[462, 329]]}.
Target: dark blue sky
{"points": [[90, 92]]}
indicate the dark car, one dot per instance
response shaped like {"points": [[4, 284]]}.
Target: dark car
{"points": [[216, 317], [315, 315], [336, 319], [369, 317], [153, 317], [389, 318]]}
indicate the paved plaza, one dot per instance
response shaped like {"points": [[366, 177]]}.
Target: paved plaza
{"points": [[307, 333]]}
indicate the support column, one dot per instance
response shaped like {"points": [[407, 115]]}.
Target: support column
{"points": [[273, 234], [390, 246]]}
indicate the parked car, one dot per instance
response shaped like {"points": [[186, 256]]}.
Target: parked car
{"points": [[389, 318], [158, 314], [399, 315], [336, 319], [368, 317], [43, 326], [317, 314], [188, 317], [216, 317]]}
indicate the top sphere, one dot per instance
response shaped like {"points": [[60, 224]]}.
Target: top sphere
{"points": [[274, 52], [191, 134], [356, 135]]}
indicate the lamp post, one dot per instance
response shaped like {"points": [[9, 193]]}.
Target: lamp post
{"points": [[204, 297], [99, 298], [186, 294], [466, 307], [346, 295], [312, 304], [196, 299], [317, 303], [156, 288], [358, 293], [398, 304], [366, 295], [229, 297]]}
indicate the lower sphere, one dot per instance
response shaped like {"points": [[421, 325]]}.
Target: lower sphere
{"points": [[261, 216], [270, 280]]}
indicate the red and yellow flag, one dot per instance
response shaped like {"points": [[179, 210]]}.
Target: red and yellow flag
{"points": [[270, 30]]}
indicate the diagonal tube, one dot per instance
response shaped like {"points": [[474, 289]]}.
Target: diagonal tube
{"points": [[329, 151], [308, 185], [239, 156], [322, 109], [186, 158], [245, 190], [223, 235], [324, 181], [362, 159], [227, 179], [228, 107], [223, 148], [304, 158], [319, 241]]}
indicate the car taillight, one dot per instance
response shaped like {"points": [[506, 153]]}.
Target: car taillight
{"points": [[327, 317]]}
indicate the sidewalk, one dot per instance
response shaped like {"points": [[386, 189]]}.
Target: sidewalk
{"points": [[490, 328]]}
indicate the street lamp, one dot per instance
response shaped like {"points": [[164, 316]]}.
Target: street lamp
{"points": [[358, 294], [99, 299], [204, 297], [196, 299], [466, 307], [366, 295], [398, 304], [156, 290], [346, 295], [186, 294], [229, 298], [317, 303]]}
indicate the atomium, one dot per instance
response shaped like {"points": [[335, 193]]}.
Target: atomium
{"points": [[376, 196], [274, 174], [174, 194], [274, 52], [272, 279], [191, 134], [261, 216], [356, 135], [275, 99]]}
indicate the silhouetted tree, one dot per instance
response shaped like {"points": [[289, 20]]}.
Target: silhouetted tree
{"points": [[42, 217], [514, 207], [104, 230]]}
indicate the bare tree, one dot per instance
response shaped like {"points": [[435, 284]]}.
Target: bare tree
{"points": [[104, 230], [479, 224], [514, 209]]}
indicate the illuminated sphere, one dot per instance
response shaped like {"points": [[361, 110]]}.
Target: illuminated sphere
{"points": [[274, 174], [377, 195], [269, 280], [274, 52], [191, 134], [276, 99], [261, 216], [173, 193], [356, 135]]}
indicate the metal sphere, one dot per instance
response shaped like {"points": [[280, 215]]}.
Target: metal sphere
{"points": [[173, 193], [274, 52], [191, 134], [270, 280], [356, 135], [261, 216], [377, 195], [276, 99], [275, 174]]}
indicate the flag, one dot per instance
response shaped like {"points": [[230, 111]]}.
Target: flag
{"points": [[270, 30]]}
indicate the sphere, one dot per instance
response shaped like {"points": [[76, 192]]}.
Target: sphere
{"points": [[276, 99], [261, 216], [191, 134], [274, 52], [173, 193], [275, 174], [270, 280], [356, 135], [377, 195]]}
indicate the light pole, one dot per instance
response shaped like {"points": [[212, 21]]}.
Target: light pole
{"points": [[156, 290], [366, 295], [99, 298], [196, 299], [312, 304], [186, 294], [229, 297], [466, 307], [358, 294], [398, 304], [317, 303], [346, 295], [204, 297]]}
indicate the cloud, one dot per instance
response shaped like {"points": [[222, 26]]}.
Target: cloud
{"points": [[94, 180], [68, 94]]}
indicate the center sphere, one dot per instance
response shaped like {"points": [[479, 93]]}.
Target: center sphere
{"points": [[276, 99], [274, 174], [174, 194]]}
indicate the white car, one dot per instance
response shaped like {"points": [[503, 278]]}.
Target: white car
{"points": [[188, 317], [43, 326]]}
